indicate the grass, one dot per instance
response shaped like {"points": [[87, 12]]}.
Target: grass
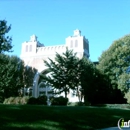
{"points": [[32, 117]]}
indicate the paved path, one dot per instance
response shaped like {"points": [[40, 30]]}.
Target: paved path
{"points": [[115, 128], [111, 128]]}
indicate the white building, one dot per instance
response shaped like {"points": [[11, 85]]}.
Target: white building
{"points": [[33, 53]]}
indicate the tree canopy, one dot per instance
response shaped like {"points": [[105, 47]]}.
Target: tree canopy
{"points": [[11, 73], [115, 63], [28, 75], [63, 72], [80, 75], [14, 75], [5, 41]]}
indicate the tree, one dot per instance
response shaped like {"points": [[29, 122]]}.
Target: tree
{"points": [[115, 62], [81, 75], [11, 73], [95, 85], [5, 41], [63, 72], [28, 75]]}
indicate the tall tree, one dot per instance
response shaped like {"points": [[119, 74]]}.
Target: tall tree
{"points": [[63, 72], [5, 41], [94, 84], [28, 76], [11, 73], [115, 62]]}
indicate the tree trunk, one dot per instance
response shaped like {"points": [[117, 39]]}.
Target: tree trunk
{"points": [[78, 94], [65, 94]]}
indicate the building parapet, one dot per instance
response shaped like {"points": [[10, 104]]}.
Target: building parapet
{"points": [[51, 49]]}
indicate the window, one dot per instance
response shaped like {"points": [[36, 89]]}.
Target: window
{"points": [[26, 48], [76, 43], [71, 44], [30, 48]]}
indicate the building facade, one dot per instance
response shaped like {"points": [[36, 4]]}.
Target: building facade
{"points": [[33, 53]]}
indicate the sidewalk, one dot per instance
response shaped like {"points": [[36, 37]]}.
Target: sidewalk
{"points": [[111, 128], [115, 128]]}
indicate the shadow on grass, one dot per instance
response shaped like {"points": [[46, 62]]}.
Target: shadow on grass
{"points": [[99, 105], [32, 117]]}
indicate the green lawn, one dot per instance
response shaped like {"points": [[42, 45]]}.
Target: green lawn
{"points": [[30, 117]]}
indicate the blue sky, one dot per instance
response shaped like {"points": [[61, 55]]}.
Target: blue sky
{"points": [[100, 21]]}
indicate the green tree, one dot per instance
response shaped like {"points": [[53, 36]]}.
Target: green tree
{"points": [[5, 41], [81, 75], [11, 73], [114, 63], [95, 85], [28, 75], [63, 72]]}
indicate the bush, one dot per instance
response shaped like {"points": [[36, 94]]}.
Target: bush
{"points": [[9, 100], [24, 100], [59, 101], [32, 100], [79, 104], [75, 104], [5, 101], [127, 96], [16, 100], [42, 100], [1, 97]]}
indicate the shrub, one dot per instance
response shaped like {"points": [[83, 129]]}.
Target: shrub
{"points": [[59, 101], [5, 101], [42, 100], [79, 104], [1, 97], [32, 100], [24, 100], [127, 96], [16, 100], [9, 100], [76, 104]]}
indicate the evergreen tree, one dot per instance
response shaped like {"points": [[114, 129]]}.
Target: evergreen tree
{"points": [[5, 41], [63, 74], [11, 73]]}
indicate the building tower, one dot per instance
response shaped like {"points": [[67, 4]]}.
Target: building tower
{"points": [[79, 44]]}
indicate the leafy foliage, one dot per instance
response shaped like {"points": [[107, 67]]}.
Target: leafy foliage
{"points": [[28, 75], [42, 100], [59, 101], [115, 62], [63, 72], [127, 96], [95, 84], [14, 76], [32, 101], [11, 73], [5, 41], [16, 100], [81, 75]]}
